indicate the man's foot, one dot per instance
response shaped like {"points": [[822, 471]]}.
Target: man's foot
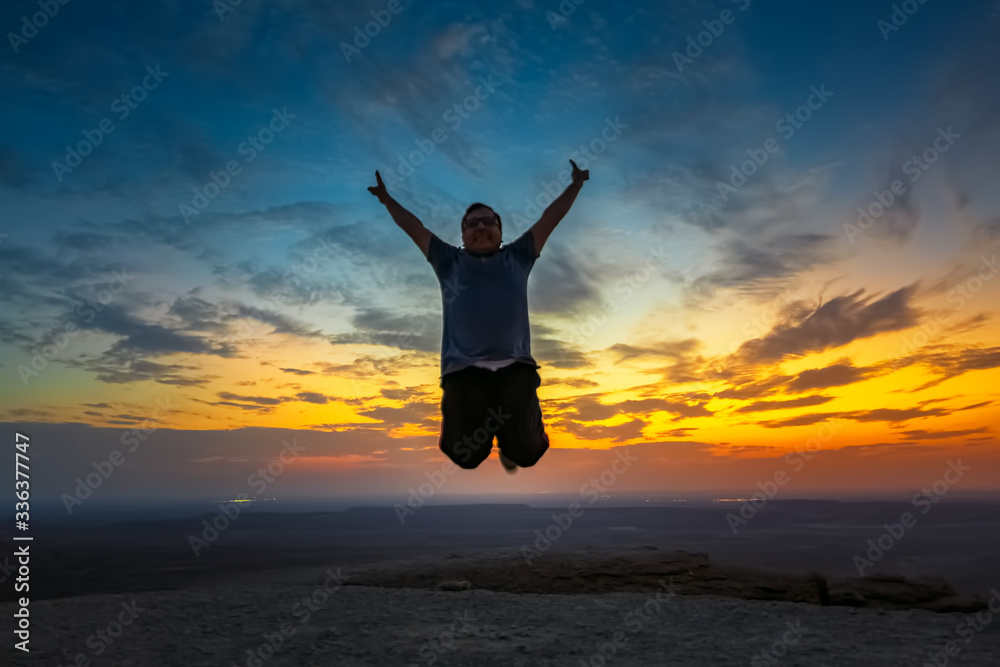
{"points": [[508, 465]]}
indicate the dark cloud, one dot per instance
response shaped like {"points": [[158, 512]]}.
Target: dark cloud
{"points": [[36, 281], [682, 409], [15, 170], [259, 400], [802, 420], [951, 363], [411, 413], [576, 383], [836, 375], [368, 367], [672, 349], [745, 266], [312, 397], [261, 409], [13, 334], [618, 433], [30, 412], [302, 396], [886, 446], [761, 406], [559, 285], [290, 285], [889, 415], [833, 324], [420, 332], [587, 408], [83, 241], [408, 394], [893, 415], [197, 314], [138, 337], [686, 367], [755, 389], [974, 406], [549, 349], [114, 368], [921, 434], [280, 323], [187, 381], [297, 371]]}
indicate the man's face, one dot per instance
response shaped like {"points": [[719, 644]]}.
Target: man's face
{"points": [[480, 231]]}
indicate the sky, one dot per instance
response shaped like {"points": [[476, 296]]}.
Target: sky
{"points": [[785, 259]]}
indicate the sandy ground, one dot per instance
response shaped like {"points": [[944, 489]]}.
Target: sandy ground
{"points": [[315, 617]]}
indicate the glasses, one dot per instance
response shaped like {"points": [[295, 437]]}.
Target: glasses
{"points": [[471, 223]]}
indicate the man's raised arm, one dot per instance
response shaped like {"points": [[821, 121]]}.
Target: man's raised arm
{"points": [[408, 222], [558, 209]]}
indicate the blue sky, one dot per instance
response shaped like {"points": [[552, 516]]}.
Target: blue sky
{"points": [[556, 88]]}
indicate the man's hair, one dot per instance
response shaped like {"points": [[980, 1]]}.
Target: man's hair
{"points": [[481, 205]]}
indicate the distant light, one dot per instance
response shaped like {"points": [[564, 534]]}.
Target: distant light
{"points": [[243, 500]]}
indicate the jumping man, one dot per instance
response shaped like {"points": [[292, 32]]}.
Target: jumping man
{"points": [[488, 376]]}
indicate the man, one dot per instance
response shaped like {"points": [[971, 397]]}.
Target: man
{"points": [[488, 375]]}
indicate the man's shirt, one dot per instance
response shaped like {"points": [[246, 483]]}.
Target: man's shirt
{"points": [[485, 303]]}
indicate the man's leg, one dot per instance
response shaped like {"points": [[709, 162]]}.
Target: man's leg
{"points": [[465, 405], [521, 437]]}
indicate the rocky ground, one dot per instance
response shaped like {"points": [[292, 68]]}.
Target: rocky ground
{"points": [[644, 569], [566, 610]]}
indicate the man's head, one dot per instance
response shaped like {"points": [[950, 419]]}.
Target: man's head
{"points": [[481, 229]]}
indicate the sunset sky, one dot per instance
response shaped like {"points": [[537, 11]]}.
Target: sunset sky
{"points": [[710, 330]]}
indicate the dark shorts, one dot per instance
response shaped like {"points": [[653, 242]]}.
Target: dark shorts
{"points": [[478, 404]]}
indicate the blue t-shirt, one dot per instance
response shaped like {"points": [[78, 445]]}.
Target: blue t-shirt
{"points": [[484, 301]]}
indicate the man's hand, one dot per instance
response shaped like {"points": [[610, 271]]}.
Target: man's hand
{"points": [[379, 190], [558, 208], [408, 222]]}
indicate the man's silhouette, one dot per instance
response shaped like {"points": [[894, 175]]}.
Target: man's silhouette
{"points": [[488, 376]]}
